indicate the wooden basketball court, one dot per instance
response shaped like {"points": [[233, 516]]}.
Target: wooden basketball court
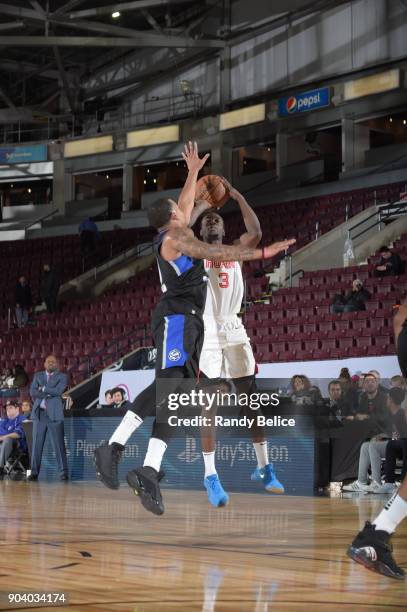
{"points": [[260, 553]]}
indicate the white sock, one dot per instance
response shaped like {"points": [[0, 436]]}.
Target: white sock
{"points": [[209, 460], [128, 425], [261, 453], [155, 453], [392, 514]]}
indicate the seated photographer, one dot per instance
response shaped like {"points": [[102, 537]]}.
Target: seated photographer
{"points": [[390, 264], [374, 450], [338, 402], [11, 434]]}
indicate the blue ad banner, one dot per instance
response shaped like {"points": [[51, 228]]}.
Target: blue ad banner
{"points": [[293, 458], [23, 155], [304, 102]]}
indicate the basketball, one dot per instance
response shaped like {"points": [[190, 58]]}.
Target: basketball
{"points": [[212, 189]]}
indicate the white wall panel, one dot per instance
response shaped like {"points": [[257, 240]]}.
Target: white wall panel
{"points": [[369, 32]]}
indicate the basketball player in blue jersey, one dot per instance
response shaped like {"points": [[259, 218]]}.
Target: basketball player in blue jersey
{"points": [[227, 353], [178, 330], [372, 546]]}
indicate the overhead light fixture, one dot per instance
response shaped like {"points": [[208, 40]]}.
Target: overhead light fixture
{"points": [[391, 119], [116, 14], [29, 190], [404, 121]]}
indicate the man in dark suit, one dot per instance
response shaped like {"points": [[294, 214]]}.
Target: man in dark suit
{"points": [[48, 414]]}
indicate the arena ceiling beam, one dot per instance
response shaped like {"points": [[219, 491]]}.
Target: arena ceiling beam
{"points": [[141, 39], [11, 25], [29, 70], [64, 79], [68, 6], [124, 6], [23, 13]]}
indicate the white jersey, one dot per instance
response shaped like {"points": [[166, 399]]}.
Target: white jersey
{"points": [[226, 350], [225, 288]]}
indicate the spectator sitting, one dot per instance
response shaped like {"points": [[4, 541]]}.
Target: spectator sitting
{"points": [[4, 376], [301, 390], [15, 381], [397, 446], [50, 284], [11, 434], [338, 403], [397, 381], [108, 398], [349, 390], [353, 301], [6, 383], [374, 450], [372, 403], [390, 264], [378, 377], [23, 301], [119, 399], [26, 409]]}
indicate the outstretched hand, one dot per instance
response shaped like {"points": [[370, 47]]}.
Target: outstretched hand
{"points": [[234, 194], [277, 247], [191, 157]]}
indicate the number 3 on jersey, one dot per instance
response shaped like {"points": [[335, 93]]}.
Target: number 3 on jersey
{"points": [[223, 280]]}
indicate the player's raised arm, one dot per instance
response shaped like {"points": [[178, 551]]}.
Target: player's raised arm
{"points": [[184, 242], [194, 164], [253, 233]]}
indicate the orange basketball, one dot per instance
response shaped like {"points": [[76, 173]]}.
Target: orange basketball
{"points": [[212, 189]]}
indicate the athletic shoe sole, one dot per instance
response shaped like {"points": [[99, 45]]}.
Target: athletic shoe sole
{"points": [[102, 479], [135, 483], [274, 490], [358, 555]]}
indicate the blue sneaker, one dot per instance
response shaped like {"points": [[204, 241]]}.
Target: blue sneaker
{"points": [[267, 476], [216, 493]]}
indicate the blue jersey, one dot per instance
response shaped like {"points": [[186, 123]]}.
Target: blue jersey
{"points": [[183, 285]]}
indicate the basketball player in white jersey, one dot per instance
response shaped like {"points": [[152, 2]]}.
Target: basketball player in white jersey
{"points": [[226, 351]]}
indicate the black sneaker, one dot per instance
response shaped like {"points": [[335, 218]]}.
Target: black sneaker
{"points": [[145, 483], [373, 549], [32, 477], [106, 459]]}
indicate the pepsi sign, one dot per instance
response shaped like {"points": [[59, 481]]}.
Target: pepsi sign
{"points": [[301, 103]]}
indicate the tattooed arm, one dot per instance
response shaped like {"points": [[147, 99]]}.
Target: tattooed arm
{"points": [[179, 242]]}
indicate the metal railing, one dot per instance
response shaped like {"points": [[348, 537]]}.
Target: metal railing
{"points": [[120, 346], [136, 251], [379, 217], [23, 225]]}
